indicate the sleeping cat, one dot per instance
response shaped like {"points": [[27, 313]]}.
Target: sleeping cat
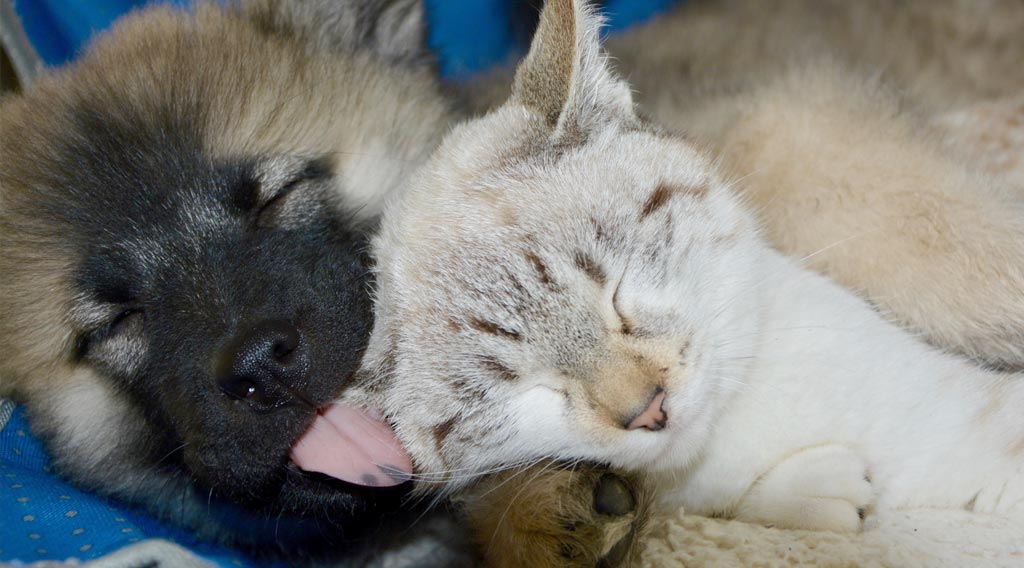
{"points": [[564, 280], [827, 110]]}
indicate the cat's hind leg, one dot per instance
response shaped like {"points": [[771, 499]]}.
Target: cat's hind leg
{"points": [[550, 515], [820, 488]]}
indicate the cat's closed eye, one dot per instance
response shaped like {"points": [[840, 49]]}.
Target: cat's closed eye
{"points": [[492, 328], [496, 367], [628, 327]]}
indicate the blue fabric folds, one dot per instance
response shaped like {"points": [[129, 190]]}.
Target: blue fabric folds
{"points": [[42, 517]]}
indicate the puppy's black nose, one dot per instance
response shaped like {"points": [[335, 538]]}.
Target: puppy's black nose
{"points": [[263, 364]]}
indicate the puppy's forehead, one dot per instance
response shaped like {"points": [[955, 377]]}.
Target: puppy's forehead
{"points": [[126, 177]]}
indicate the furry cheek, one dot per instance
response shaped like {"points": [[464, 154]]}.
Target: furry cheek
{"points": [[544, 422], [82, 414], [549, 424]]}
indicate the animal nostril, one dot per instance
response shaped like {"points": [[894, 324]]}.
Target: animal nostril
{"points": [[283, 351], [651, 416], [261, 364], [240, 389]]}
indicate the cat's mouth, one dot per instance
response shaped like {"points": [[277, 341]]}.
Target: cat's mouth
{"points": [[355, 445]]}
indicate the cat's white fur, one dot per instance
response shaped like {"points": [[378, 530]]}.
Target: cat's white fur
{"points": [[559, 261], [835, 393]]}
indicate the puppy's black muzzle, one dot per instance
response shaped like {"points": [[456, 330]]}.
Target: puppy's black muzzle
{"points": [[265, 365]]}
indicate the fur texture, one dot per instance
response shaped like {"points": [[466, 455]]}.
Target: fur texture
{"points": [[884, 202], [193, 176], [560, 264], [373, 107]]}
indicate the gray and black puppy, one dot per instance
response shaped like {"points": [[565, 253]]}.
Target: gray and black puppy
{"points": [[183, 275]]}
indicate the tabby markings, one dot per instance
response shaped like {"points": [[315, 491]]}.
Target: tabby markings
{"points": [[585, 263], [494, 329], [664, 192], [441, 432], [498, 368], [541, 268], [657, 200]]}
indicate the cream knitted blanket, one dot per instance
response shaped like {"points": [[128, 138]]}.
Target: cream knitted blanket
{"points": [[906, 539]]}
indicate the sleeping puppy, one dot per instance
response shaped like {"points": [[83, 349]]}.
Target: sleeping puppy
{"points": [[183, 273]]}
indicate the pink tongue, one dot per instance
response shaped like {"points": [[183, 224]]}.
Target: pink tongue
{"points": [[353, 445]]}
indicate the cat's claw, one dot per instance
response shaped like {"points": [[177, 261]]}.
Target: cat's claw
{"points": [[550, 516], [820, 488]]}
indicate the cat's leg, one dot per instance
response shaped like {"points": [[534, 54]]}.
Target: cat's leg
{"points": [[819, 488], [548, 516]]}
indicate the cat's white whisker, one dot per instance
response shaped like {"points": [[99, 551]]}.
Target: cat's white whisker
{"points": [[444, 476], [512, 501], [837, 243]]}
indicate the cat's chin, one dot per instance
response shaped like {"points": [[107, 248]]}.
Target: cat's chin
{"points": [[673, 456], [658, 454], [683, 437]]}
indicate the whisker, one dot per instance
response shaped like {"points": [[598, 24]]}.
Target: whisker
{"points": [[446, 493], [835, 244], [512, 501], [443, 475]]}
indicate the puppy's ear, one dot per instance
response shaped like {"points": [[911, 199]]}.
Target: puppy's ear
{"points": [[393, 29], [566, 77], [399, 29]]}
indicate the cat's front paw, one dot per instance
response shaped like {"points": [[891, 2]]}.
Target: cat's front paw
{"points": [[820, 488], [548, 516]]}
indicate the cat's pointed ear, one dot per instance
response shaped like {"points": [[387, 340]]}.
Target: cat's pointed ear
{"points": [[566, 77]]}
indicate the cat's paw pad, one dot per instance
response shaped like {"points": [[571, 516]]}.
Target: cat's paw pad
{"points": [[549, 516], [821, 488]]}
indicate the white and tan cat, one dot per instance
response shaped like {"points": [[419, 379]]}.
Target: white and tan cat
{"points": [[826, 109], [566, 281]]}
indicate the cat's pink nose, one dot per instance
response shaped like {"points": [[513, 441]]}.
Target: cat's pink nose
{"points": [[653, 417]]}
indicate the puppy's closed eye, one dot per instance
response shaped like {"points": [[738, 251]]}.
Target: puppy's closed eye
{"points": [[126, 320], [116, 339], [272, 207], [265, 192], [263, 203]]}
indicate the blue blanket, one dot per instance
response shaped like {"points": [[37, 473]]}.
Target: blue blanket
{"points": [[468, 35], [44, 518]]}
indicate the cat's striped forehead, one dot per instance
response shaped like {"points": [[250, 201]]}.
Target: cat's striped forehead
{"points": [[609, 191], [521, 250]]}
